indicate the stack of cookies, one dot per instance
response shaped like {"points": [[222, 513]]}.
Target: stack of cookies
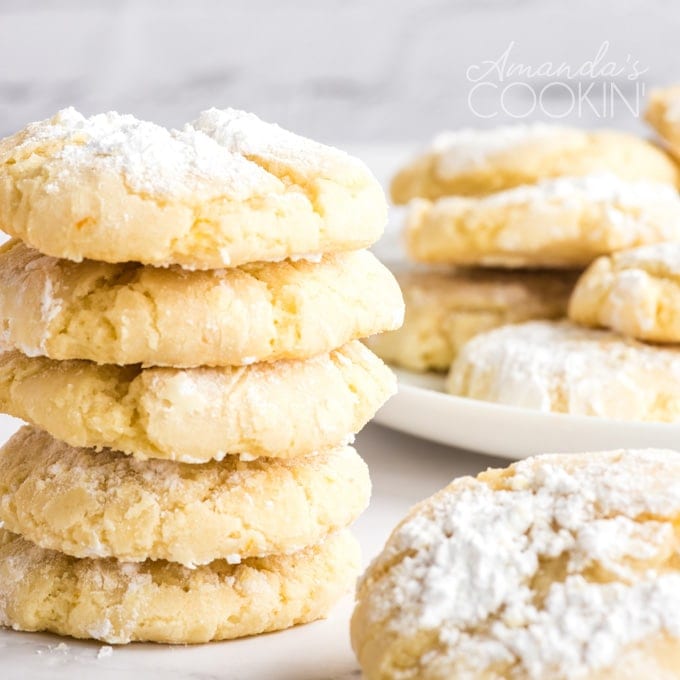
{"points": [[632, 290], [520, 199], [181, 313]]}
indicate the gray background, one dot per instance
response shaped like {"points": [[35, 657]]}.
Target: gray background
{"points": [[344, 71]]}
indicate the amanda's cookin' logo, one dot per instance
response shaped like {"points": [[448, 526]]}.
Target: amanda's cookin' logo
{"points": [[598, 87]]}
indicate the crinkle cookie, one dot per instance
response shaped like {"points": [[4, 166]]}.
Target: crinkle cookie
{"points": [[444, 309], [566, 222], [119, 602], [282, 409], [560, 567], [89, 503], [130, 313], [472, 162], [225, 190], [663, 114], [557, 366], [635, 292]]}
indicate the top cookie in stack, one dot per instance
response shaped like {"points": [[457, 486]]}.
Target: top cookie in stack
{"points": [[519, 198], [194, 296]]}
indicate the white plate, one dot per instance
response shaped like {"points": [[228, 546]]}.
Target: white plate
{"points": [[422, 408]]}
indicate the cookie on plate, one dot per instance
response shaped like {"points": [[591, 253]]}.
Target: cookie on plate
{"points": [[663, 114], [89, 503], [559, 367], [444, 309], [118, 602], [130, 313], [635, 292], [282, 409], [560, 566], [225, 190], [479, 162], [565, 222]]}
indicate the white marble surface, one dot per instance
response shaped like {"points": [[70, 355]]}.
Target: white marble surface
{"points": [[404, 470], [340, 70]]}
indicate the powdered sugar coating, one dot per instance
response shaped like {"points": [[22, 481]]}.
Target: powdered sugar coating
{"points": [[550, 569], [153, 159], [557, 366], [468, 148]]}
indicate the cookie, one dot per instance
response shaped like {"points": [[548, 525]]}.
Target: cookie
{"points": [[663, 114], [635, 292], [89, 503], [560, 566], [444, 309], [557, 366], [129, 313], [282, 410], [566, 222], [225, 190], [119, 602], [479, 162]]}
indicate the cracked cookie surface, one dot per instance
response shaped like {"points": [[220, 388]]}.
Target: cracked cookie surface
{"points": [[225, 190], [282, 410], [117, 602], [98, 504], [131, 313]]}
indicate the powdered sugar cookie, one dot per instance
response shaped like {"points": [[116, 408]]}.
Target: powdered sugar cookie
{"points": [[566, 222], [635, 292], [478, 162], [560, 367], [444, 309], [226, 190], [282, 409], [663, 114], [129, 313], [89, 503], [561, 567], [118, 602]]}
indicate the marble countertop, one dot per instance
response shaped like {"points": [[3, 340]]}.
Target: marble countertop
{"points": [[404, 471]]}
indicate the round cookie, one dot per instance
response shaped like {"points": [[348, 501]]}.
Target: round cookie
{"points": [[281, 410], [566, 222], [478, 162], [663, 114], [225, 190], [117, 602], [559, 367], [105, 504], [129, 313], [561, 566], [635, 292], [444, 309]]}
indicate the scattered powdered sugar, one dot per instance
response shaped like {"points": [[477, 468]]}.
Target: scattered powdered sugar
{"points": [[105, 651], [557, 366], [153, 159], [466, 149], [661, 258], [466, 565]]}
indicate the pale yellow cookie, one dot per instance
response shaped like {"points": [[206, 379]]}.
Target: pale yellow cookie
{"points": [[225, 190], [559, 367], [635, 292], [566, 222], [560, 567], [663, 114], [282, 410], [129, 313], [444, 309], [89, 503], [119, 602], [479, 162]]}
